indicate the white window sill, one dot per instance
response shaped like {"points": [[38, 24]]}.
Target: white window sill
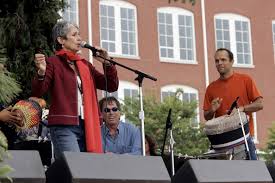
{"points": [[178, 61], [124, 56], [244, 66]]}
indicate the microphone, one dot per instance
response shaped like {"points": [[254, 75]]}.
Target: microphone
{"points": [[83, 44], [168, 120], [233, 105]]}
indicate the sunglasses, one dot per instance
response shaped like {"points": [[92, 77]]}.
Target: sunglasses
{"points": [[114, 109]]}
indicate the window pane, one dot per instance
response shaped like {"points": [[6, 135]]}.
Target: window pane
{"points": [[123, 13], [103, 10], [125, 49], [238, 25], [170, 53], [112, 35], [123, 25], [219, 34], [161, 18], [103, 22], [218, 24], [112, 47], [163, 52], [170, 41], [104, 34]]}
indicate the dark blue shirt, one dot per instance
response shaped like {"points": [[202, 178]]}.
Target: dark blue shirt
{"points": [[127, 140]]}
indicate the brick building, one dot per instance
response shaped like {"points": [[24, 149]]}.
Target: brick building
{"points": [[175, 42]]}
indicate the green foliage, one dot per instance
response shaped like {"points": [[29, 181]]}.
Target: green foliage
{"points": [[270, 148], [4, 169], [24, 26], [155, 121], [9, 87]]}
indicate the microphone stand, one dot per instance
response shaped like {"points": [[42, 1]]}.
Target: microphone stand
{"points": [[171, 141], [139, 78], [245, 140]]}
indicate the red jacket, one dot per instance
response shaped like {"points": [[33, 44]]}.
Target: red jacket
{"points": [[60, 81]]}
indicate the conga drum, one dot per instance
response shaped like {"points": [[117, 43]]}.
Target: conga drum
{"points": [[226, 131]]}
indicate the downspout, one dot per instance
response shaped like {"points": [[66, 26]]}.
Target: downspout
{"points": [[90, 29]]}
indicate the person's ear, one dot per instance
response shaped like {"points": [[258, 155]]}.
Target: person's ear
{"points": [[60, 40]]}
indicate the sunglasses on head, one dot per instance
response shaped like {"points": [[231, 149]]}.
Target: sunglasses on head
{"points": [[114, 109]]}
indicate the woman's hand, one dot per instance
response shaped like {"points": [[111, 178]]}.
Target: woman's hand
{"points": [[9, 116], [102, 53], [40, 63]]}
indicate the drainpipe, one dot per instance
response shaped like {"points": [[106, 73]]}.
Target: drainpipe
{"points": [[90, 28], [204, 44]]}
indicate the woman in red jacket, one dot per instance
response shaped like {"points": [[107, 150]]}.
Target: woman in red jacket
{"points": [[72, 82]]}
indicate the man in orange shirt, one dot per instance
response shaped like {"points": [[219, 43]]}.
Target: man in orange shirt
{"points": [[221, 93]]}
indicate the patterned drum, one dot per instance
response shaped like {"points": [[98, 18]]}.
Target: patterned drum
{"points": [[226, 131], [31, 112]]}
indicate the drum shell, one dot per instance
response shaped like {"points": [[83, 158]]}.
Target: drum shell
{"points": [[226, 131], [228, 139]]}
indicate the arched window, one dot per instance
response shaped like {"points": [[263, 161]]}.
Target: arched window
{"points": [[189, 94], [233, 32], [118, 27], [71, 12], [176, 35]]}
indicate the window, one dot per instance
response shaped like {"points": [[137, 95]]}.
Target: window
{"points": [[273, 36], [118, 27], [71, 12], [176, 35], [189, 94], [126, 89], [233, 32]]}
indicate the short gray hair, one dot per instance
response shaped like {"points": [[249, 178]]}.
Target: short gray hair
{"points": [[61, 29]]}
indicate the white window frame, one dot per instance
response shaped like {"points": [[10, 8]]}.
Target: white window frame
{"points": [[117, 4], [273, 38], [185, 89], [232, 18], [175, 13], [70, 12]]}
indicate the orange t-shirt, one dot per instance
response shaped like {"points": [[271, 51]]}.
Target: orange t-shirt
{"points": [[237, 85]]}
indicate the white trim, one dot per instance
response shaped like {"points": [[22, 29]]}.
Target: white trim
{"points": [[90, 28], [255, 138], [228, 144], [175, 12], [205, 52], [231, 18], [273, 38]]}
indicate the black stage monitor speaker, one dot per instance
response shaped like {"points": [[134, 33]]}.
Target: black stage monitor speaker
{"points": [[107, 168], [271, 168], [222, 171], [27, 167]]}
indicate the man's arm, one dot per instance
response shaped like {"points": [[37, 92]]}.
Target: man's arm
{"points": [[254, 106]]}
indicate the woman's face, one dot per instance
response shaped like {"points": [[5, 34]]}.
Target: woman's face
{"points": [[72, 40]]}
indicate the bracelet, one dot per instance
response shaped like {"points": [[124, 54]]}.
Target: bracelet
{"points": [[39, 73]]}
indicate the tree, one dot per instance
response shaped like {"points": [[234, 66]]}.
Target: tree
{"points": [[270, 148], [26, 25], [155, 122]]}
